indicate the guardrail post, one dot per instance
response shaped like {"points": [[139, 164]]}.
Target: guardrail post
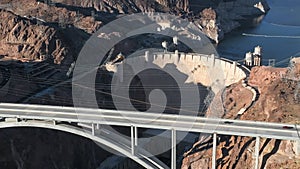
{"points": [[257, 145], [213, 160], [132, 141], [173, 149]]}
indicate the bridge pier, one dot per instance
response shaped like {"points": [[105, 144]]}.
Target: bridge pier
{"points": [[214, 151], [257, 145], [135, 136], [173, 149], [134, 139]]}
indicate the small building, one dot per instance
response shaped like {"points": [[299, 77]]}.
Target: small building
{"points": [[257, 56], [248, 59]]}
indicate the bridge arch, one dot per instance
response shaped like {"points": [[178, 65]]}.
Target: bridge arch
{"points": [[144, 160]]}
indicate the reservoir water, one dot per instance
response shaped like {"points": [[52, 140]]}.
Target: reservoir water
{"points": [[278, 33]]}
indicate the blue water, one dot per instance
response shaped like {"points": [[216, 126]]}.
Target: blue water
{"points": [[278, 34]]}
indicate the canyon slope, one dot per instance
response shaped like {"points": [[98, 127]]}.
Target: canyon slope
{"points": [[278, 102]]}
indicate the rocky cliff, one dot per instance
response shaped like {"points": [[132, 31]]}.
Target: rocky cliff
{"points": [[226, 13], [21, 39], [278, 101], [57, 29], [225, 16], [131, 6], [89, 15]]}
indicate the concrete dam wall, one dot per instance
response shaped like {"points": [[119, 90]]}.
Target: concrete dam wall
{"points": [[207, 70], [172, 81]]}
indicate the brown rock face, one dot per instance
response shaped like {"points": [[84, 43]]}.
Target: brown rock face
{"points": [[62, 14], [23, 40], [278, 102], [294, 71], [267, 76], [128, 6], [279, 95], [83, 14], [209, 24], [237, 97], [183, 4]]}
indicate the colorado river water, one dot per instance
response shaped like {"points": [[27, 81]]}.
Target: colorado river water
{"points": [[278, 34]]}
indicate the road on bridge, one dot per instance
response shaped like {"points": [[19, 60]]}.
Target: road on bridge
{"points": [[150, 120]]}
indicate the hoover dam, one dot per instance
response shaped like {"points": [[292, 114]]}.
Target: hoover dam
{"points": [[172, 80]]}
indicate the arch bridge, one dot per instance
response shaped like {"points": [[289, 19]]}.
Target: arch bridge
{"points": [[71, 120]]}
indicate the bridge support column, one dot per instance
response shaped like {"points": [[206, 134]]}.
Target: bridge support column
{"points": [[173, 149], [257, 145], [214, 151], [134, 138]]}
